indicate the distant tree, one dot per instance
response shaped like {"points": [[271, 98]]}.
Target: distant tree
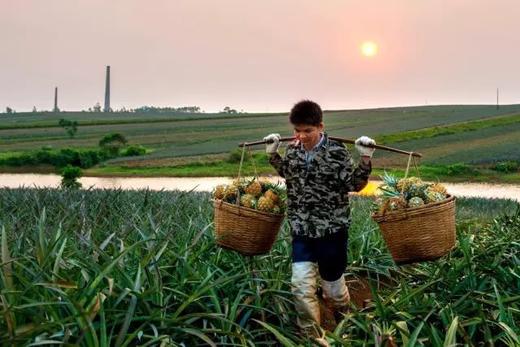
{"points": [[34, 109], [71, 127], [153, 109], [97, 107], [229, 110], [8, 110], [112, 143]]}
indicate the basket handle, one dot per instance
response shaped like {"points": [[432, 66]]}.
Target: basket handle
{"points": [[410, 158], [240, 171]]}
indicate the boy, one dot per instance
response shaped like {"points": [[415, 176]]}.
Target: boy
{"points": [[319, 173]]}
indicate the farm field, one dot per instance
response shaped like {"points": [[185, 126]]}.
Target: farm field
{"points": [[477, 135], [111, 267]]}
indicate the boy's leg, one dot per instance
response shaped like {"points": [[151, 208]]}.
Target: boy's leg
{"points": [[332, 262], [304, 284]]}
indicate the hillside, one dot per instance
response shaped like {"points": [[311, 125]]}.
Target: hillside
{"points": [[471, 134]]}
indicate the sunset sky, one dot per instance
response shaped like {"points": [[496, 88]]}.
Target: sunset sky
{"points": [[258, 55]]}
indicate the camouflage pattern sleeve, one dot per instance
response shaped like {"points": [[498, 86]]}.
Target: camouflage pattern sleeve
{"points": [[355, 179], [278, 163]]}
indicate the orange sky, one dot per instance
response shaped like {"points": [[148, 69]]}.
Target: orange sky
{"points": [[258, 55]]}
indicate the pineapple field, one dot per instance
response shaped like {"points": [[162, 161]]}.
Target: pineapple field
{"points": [[126, 268]]}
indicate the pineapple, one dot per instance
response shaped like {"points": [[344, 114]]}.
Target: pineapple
{"points": [[254, 194], [254, 188], [248, 200], [437, 187], [390, 181], [270, 194], [416, 190], [393, 203], [433, 196], [218, 193], [239, 184], [406, 184], [230, 193], [265, 204], [415, 202], [397, 203], [407, 192]]}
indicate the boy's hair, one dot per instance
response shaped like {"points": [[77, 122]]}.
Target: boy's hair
{"points": [[306, 112]]}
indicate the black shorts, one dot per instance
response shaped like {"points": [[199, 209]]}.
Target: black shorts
{"points": [[330, 252]]}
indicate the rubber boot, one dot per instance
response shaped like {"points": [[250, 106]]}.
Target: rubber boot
{"points": [[336, 295], [303, 286]]}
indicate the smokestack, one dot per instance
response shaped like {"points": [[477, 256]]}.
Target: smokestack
{"points": [[56, 109], [107, 91]]}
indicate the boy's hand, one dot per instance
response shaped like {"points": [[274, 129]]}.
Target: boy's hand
{"points": [[361, 144], [272, 143]]}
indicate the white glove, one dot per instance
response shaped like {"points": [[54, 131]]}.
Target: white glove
{"points": [[360, 146], [273, 142]]}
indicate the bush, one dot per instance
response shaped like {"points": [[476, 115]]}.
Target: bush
{"points": [[112, 143], [134, 150], [62, 158], [236, 154], [89, 158], [69, 177], [460, 169], [507, 166]]}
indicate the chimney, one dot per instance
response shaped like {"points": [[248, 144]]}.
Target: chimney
{"points": [[107, 91], [56, 109]]}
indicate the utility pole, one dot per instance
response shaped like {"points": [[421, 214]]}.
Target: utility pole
{"points": [[107, 91], [56, 109]]}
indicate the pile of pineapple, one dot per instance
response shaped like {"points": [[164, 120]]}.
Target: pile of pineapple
{"points": [[408, 192], [256, 194]]}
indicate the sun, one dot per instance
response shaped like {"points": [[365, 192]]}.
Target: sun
{"points": [[369, 49]]}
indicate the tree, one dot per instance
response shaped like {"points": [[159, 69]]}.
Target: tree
{"points": [[8, 110], [69, 177], [229, 110], [112, 143], [97, 107], [71, 127], [34, 109]]}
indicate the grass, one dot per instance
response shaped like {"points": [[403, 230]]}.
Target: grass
{"points": [[484, 146], [112, 267], [449, 129], [182, 135]]}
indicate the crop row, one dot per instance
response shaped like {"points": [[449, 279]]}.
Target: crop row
{"points": [[105, 267]]}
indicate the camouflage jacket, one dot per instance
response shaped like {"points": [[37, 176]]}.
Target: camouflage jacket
{"points": [[317, 194]]}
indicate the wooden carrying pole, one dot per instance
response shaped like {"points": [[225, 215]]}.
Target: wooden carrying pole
{"points": [[385, 148]]}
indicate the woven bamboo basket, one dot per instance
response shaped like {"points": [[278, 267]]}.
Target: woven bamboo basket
{"points": [[419, 234], [245, 230]]}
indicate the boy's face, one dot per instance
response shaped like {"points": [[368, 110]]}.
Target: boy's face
{"points": [[309, 135]]}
